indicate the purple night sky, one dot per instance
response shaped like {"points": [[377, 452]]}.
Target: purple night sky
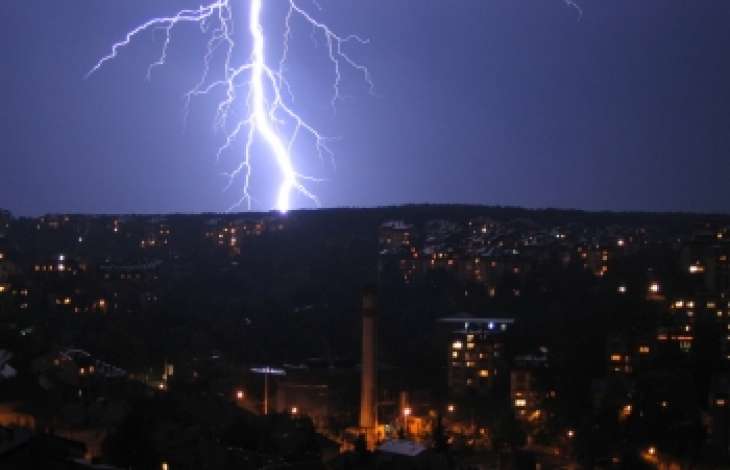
{"points": [[510, 102]]}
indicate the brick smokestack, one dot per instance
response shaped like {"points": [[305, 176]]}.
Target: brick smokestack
{"points": [[368, 384]]}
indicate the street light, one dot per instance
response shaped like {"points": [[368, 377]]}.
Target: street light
{"points": [[266, 371]]}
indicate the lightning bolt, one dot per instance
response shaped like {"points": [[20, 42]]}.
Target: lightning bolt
{"points": [[573, 4], [268, 92]]}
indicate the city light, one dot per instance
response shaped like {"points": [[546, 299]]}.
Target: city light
{"points": [[294, 410], [451, 408], [407, 411], [240, 395], [570, 433]]}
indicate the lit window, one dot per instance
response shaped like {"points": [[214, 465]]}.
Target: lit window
{"points": [[484, 373], [457, 345], [616, 357], [520, 403], [621, 289], [469, 345], [455, 354], [654, 287], [720, 402], [644, 349]]}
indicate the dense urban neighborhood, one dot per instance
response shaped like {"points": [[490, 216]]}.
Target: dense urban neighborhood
{"points": [[425, 336]]}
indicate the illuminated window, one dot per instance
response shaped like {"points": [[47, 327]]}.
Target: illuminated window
{"points": [[654, 287], [616, 357], [621, 289], [469, 363], [454, 354], [720, 402], [644, 349], [484, 373], [711, 304], [457, 345], [469, 345], [520, 403]]}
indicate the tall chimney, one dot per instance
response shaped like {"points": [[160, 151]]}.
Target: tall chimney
{"points": [[368, 385]]}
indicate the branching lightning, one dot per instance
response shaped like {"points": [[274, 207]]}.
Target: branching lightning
{"points": [[268, 92]]}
